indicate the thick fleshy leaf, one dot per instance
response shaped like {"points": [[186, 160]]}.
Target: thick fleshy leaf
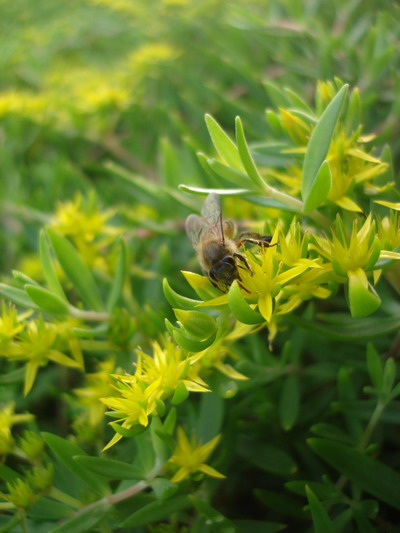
{"points": [[363, 300], [240, 308], [319, 142], [17, 296], [228, 173], [371, 475], [350, 329], [47, 301], [76, 270], [267, 457], [216, 521], [221, 192], [85, 521], [177, 300], [289, 401], [48, 267], [196, 324], [320, 518], [109, 468], [246, 157], [65, 451], [155, 511], [375, 367], [320, 188], [224, 145], [119, 276]]}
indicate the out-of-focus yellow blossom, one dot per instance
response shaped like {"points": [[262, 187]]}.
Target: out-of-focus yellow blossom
{"points": [[389, 231], [149, 56], [169, 373], [351, 166], [35, 106], [86, 224], [8, 418], [22, 493], [10, 325], [37, 344], [297, 129], [126, 7], [97, 385], [190, 457]]}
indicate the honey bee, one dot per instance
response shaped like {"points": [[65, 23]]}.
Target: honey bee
{"points": [[213, 239]]}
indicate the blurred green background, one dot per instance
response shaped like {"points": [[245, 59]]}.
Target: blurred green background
{"points": [[110, 96]]}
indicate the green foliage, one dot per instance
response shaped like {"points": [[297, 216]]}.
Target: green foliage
{"points": [[136, 395]]}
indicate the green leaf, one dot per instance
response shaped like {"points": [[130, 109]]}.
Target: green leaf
{"points": [[216, 521], [23, 278], [180, 395], [375, 367], [196, 324], [363, 301], [47, 301], [76, 270], [320, 188], [48, 266], [224, 145], [7, 474], [211, 416], [119, 276], [155, 511], [109, 468], [289, 401], [352, 330], [17, 296], [228, 173], [258, 526], [369, 474], [246, 157], [65, 451], [320, 518], [240, 308], [267, 457], [134, 431], [176, 300], [85, 521], [163, 488], [11, 378], [221, 192], [319, 142]]}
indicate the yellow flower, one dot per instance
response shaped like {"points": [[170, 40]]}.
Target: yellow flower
{"points": [[190, 457], [168, 373], [37, 345], [8, 419]]}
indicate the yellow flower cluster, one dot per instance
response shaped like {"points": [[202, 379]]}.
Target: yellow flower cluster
{"points": [[168, 374], [37, 342]]}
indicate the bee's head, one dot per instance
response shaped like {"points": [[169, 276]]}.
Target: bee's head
{"points": [[224, 270]]}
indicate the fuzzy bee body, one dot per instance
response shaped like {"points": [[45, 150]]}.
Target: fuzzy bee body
{"points": [[212, 238]]}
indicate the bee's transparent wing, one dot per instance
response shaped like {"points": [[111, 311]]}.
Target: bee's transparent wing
{"points": [[194, 226], [211, 210]]}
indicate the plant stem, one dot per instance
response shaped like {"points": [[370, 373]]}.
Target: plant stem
{"points": [[297, 205], [93, 316], [60, 496], [116, 498]]}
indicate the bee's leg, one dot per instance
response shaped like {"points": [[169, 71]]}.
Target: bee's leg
{"points": [[255, 238], [243, 260], [243, 287]]}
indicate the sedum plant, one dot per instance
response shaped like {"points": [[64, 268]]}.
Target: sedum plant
{"points": [[271, 403]]}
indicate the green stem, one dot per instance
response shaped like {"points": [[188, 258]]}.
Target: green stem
{"points": [[60, 496], [297, 205], [373, 421], [92, 316]]}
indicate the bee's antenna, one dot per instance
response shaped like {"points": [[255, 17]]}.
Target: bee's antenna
{"points": [[222, 228]]}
